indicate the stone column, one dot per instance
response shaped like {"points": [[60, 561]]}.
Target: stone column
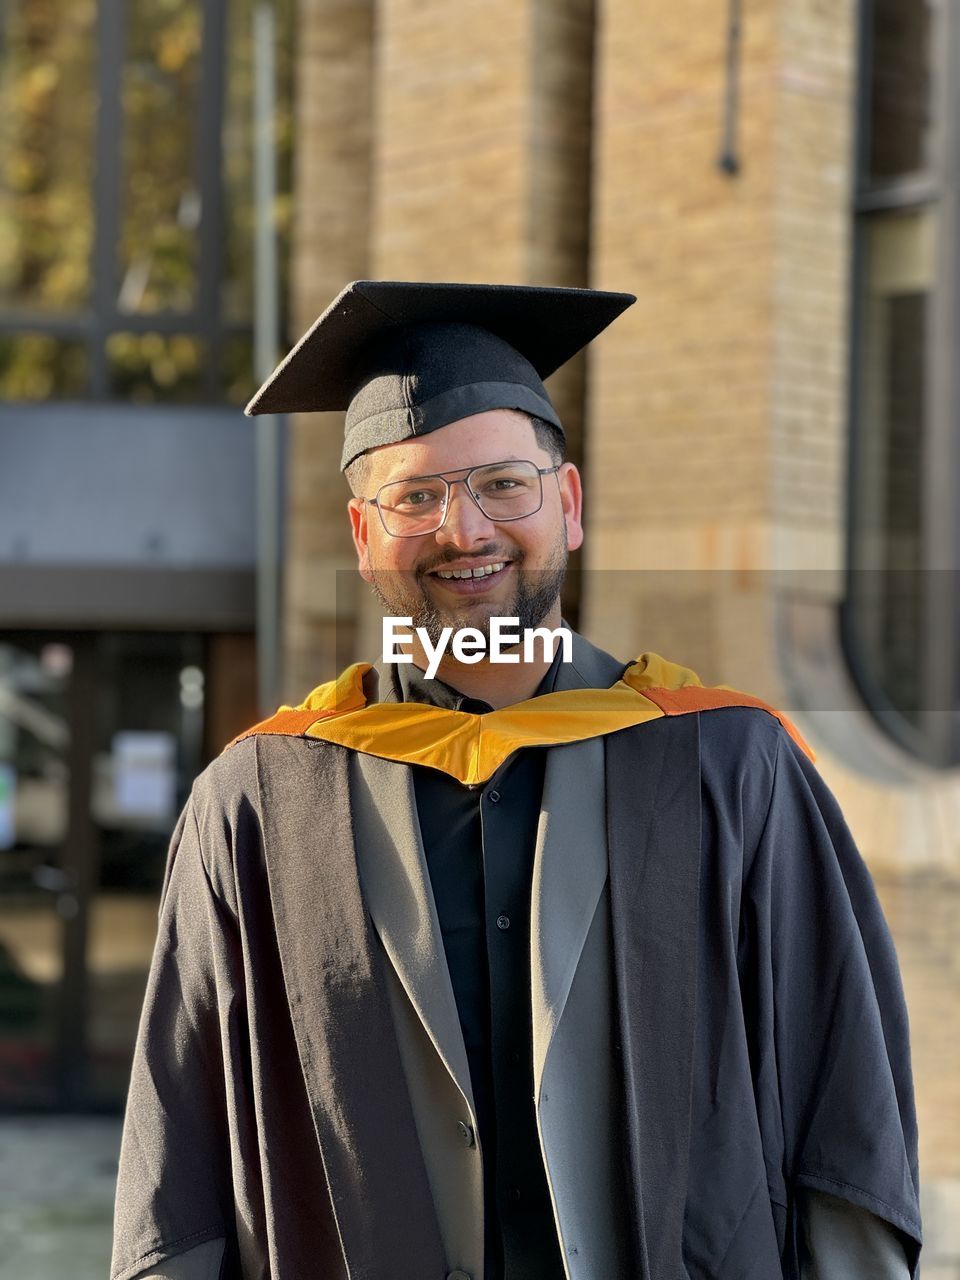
{"points": [[332, 190]]}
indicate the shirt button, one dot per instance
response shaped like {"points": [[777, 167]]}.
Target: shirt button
{"points": [[466, 1133], [458, 1275], [503, 922], [494, 797], [515, 1193]]}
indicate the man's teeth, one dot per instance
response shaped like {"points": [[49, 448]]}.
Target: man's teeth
{"points": [[483, 572]]}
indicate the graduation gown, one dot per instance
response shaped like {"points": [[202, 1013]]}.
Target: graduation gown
{"points": [[287, 1118]]}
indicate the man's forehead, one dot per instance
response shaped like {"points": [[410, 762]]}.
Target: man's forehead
{"points": [[493, 436]]}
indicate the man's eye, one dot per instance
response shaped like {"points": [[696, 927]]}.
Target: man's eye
{"points": [[503, 486], [418, 498]]}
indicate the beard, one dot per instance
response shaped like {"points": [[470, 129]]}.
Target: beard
{"points": [[536, 591]]}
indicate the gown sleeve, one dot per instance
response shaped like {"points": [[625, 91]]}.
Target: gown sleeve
{"points": [[844, 1242], [173, 1186], [202, 1262], [831, 1057]]}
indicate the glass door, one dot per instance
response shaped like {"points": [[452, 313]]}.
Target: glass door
{"points": [[101, 736], [37, 897]]}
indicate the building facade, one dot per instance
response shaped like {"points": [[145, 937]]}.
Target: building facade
{"points": [[768, 436]]}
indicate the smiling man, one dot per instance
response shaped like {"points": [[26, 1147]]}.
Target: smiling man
{"points": [[563, 968]]}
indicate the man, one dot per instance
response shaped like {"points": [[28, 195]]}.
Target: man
{"points": [[526, 970]]}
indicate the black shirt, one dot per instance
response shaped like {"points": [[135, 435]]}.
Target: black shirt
{"points": [[479, 844]]}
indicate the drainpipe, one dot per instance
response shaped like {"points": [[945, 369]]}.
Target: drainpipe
{"points": [[268, 428]]}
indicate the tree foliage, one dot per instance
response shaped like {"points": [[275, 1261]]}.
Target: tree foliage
{"points": [[49, 75]]}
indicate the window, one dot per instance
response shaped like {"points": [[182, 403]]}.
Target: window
{"points": [[126, 197], [900, 637]]}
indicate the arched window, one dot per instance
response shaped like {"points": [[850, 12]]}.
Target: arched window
{"points": [[901, 619]]}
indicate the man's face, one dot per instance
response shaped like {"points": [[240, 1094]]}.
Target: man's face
{"points": [[405, 572]]}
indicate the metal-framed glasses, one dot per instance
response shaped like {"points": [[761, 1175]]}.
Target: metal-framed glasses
{"points": [[503, 491]]}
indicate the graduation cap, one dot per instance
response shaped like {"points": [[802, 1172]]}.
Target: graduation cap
{"points": [[404, 359]]}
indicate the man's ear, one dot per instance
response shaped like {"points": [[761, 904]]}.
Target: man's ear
{"points": [[357, 508], [571, 500]]}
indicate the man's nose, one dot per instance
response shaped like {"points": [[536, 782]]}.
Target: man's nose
{"points": [[465, 526]]}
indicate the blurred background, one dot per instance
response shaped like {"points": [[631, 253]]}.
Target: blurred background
{"points": [[770, 438]]}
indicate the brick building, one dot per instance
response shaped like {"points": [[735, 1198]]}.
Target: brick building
{"points": [[768, 437]]}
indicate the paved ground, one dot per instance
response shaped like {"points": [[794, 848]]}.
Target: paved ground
{"points": [[57, 1178]]}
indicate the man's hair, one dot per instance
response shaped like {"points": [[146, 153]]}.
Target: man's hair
{"points": [[356, 474], [547, 435], [549, 438]]}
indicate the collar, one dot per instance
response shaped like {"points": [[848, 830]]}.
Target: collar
{"points": [[410, 684]]}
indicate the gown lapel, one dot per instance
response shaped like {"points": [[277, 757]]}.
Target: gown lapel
{"points": [[397, 890], [569, 872], [570, 862], [340, 1013]]}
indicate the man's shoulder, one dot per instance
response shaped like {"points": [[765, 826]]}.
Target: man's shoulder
{"points": [[747, 757], [732, 720], [240, 770], [741, 733], [730, 739], [724, 758], [233, 770]]}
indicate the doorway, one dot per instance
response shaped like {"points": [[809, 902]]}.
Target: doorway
{"points": [[101, 736]]}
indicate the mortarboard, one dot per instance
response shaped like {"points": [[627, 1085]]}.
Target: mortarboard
{"points": [[404, 359]]}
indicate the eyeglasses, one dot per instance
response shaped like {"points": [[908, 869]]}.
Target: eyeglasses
{"points": [[502, 490]]}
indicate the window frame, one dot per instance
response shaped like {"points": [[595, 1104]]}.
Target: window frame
{"points": [[936, 738]]}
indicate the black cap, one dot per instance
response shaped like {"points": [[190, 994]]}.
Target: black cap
{"points": [[404, 359]]}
